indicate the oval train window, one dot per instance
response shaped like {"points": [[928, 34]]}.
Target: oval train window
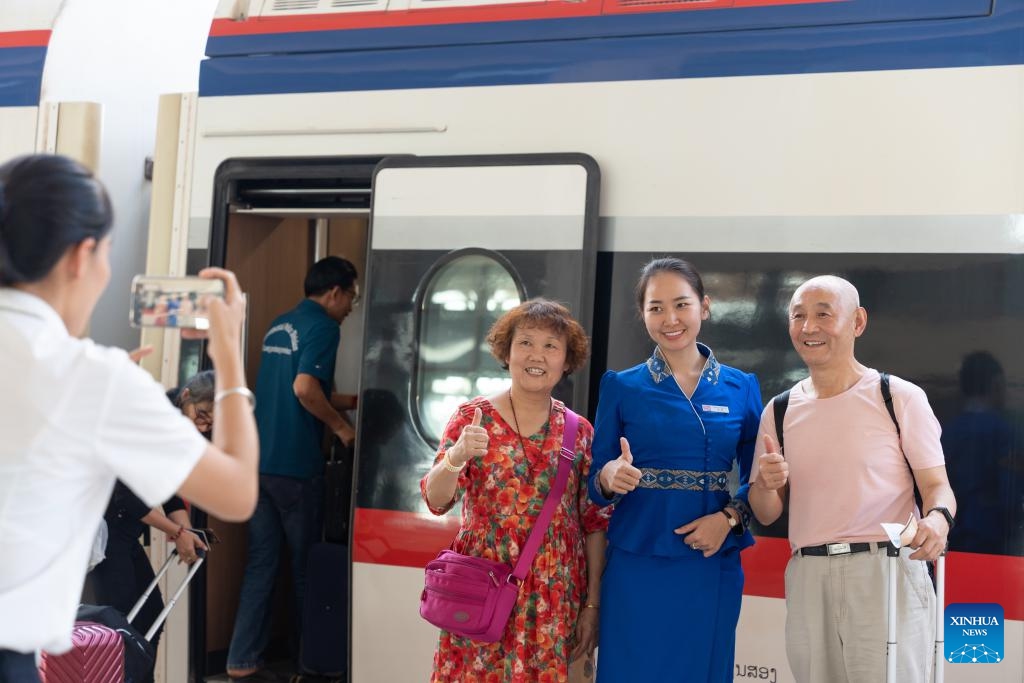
{"points": [[460, 302]]}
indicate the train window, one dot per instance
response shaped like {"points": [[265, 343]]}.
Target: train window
{"points": [[462, 298]]}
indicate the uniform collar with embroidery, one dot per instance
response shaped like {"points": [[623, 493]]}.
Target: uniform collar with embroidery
{"points": [[659, 368]]}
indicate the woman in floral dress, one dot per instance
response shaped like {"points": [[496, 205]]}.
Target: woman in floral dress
{"points": [[499, 455]]}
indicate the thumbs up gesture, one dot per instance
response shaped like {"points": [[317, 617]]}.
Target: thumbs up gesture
{"points": [[772, 468], [619, 475], [472, 442]]}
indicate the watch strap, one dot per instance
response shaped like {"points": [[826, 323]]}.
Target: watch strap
{"points": [[945, 513]]}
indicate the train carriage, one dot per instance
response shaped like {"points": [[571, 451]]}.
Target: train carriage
{"points": [[468, 154]]}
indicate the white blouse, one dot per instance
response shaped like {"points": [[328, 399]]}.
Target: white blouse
{"points": [[74, 416]]}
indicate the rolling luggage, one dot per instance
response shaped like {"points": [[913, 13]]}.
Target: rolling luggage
{"points": [[337, 492], [105, 648], [96, 656], [324, 648]]}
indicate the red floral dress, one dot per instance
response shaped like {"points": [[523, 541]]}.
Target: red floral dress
{"points": [[502, 493]]}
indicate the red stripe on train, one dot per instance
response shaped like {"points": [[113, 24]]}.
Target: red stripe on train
{"points": [[409, 539], [465, 15], [24, 38]]}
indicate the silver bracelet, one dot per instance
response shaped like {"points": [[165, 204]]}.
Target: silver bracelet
{"points": [[447, 463], [242, 391]]}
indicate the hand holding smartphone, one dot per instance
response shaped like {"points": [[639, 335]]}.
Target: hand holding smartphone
{"points": [[161, 301]]}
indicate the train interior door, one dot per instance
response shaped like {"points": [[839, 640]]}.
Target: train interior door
{"points": [[454, 243]]}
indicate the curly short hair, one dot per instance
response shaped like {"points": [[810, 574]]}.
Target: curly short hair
{"points": [[544, 314]]}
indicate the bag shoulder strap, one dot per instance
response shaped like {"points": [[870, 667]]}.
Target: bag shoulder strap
{"points": [[883, 381], [566, 459], [779, 405]]}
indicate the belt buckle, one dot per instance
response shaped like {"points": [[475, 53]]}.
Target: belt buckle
{"points": [[837, 549]]}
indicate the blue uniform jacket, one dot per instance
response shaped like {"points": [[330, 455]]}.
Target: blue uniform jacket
{"points": [[682, 445]]}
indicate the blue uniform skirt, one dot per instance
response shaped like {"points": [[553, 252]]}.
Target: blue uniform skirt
{"points": [[669, 618]]}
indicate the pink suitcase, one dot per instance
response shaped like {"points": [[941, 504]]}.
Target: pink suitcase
{"points": [[96, 656], [97, 653]]}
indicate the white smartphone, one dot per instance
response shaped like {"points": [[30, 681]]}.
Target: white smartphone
{"points": [[161, 301]]}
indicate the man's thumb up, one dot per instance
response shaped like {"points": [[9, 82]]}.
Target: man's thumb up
{"points": [[626, 455], [476, 417], [769, 444]]}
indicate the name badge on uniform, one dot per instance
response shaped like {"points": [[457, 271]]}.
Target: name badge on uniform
{"points": [[715, 409]]}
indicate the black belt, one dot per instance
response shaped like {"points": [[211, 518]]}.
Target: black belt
{"points": [[829, 549]]}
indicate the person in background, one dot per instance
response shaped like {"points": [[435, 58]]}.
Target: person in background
{"points": [[981, 450], [846, 469], [294, 401], [668, 433], [76, 416], [499, 456], [120, 579]]}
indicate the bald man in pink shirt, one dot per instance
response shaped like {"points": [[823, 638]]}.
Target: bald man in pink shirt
{"points": [[845, 473]]}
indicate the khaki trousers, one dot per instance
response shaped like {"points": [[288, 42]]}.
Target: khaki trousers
{"points": [[836, 618]]}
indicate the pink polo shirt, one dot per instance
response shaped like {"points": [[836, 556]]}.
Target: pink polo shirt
{"points": [[846, 472]]}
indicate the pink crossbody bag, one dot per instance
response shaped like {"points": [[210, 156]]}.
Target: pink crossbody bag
{"points": [[474, 597]]}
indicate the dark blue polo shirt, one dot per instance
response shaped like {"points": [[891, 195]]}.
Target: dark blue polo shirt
{"points": [[303, 340]]}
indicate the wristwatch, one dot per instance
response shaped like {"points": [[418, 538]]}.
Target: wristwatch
{"points": [[732, 520], [945, 513]]}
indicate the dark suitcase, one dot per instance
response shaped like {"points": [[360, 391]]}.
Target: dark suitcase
{"points": [[324, 647], [337, 492]]}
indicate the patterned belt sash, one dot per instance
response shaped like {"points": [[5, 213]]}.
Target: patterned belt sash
{"points": [[683, 480]]}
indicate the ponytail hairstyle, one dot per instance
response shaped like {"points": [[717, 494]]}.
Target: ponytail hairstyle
{"points": [[48, 203]]}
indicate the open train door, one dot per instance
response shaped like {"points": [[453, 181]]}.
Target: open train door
{"points": [[454, 242]]}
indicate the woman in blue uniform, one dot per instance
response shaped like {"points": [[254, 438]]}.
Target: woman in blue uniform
{"points": [[668, 433]]}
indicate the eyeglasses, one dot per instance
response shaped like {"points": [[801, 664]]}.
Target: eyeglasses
{"points": [[355, 295]]}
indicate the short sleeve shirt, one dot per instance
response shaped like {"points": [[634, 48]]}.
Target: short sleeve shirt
{"points": [[74, 417], [302, 341], [847, 473]]}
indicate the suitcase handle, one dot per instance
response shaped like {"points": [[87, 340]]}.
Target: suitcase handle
{"points": [[207, 540], [892, 644]]}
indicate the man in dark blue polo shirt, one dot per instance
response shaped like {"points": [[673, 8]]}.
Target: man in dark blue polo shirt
{"points": [[294, 402]]}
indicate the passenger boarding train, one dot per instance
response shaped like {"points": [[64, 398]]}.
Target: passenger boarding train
{"points": [[469, 154]]}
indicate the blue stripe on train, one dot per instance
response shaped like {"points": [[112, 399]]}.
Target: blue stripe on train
{"points": [[609, 26], [21, 76], [986, 41]]}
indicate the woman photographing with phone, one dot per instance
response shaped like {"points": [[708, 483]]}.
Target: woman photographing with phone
{"points": [[75, 416]]}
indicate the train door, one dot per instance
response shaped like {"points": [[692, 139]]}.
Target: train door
{"points": [[454, 242], [272, 219]]}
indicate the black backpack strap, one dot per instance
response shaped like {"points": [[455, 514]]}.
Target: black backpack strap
{"points": [[887, 399], [883, 379], [779, 405]]}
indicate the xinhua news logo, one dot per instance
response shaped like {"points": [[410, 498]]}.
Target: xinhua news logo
{"points": [[974, 633]]}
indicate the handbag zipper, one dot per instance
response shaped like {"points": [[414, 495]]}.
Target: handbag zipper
{"points": [[453, 594]]}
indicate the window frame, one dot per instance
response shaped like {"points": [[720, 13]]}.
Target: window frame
{"points": [[419, 301]]}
